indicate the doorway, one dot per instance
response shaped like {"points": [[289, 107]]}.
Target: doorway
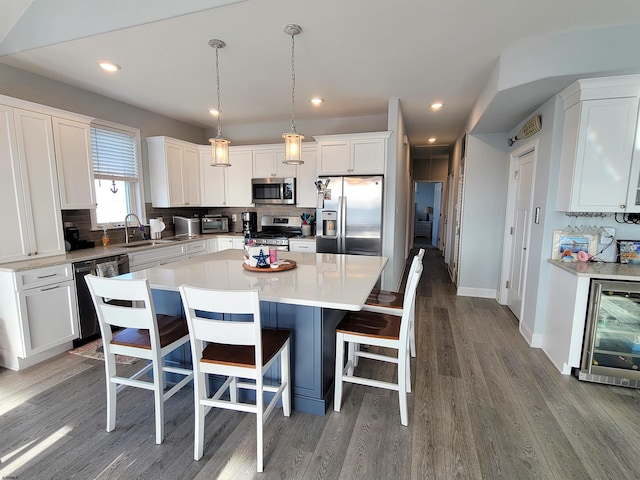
{"points": [[427, 214], [517, 228]]}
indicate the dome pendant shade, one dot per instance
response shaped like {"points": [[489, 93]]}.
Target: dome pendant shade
{"points": [[292, 139]]}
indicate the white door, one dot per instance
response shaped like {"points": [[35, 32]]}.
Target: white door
{"points": [[520, 228]]}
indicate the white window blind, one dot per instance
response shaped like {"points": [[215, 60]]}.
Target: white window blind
{"points": [[114, 154]]}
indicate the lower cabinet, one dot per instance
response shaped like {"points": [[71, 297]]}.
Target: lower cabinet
{"points": [[299, 245], [38, 315]]}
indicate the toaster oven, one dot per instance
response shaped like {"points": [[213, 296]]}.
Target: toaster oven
{"points": [[214, 224]]}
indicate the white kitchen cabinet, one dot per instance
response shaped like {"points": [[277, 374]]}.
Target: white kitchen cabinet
{"points": [[598, 171], [72, 140], [174, 168], [267, 162], [195, 249], [352, 154], [225, 243], [306, 176], [237, 243], [155, 257], [31, 219], [38, 315], [226, 186], [212, 245], [302, 245]]}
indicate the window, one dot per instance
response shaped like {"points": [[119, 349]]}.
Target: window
{"points": [[117, 174]]}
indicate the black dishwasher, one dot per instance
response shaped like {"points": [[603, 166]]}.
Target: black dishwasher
{"points": [[89, 328]]}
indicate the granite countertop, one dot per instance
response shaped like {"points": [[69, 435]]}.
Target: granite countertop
{"points": [[97, 252], [608, 271]]}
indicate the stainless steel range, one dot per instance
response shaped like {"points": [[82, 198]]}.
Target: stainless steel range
{"points": [[278, 230]]}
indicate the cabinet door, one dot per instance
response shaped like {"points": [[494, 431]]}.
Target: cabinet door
{"points": [[34, 138], [238, 179], [75, 166], [174, 155], [333, 158], [306, 192], [14, 243], [225, 243], [211, 181], [597, 149], [368, 156], [282, 170], [263, 163], [48, 316], [191, 176]]}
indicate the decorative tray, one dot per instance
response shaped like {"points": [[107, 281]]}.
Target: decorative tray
{"points": [[291, 264]]}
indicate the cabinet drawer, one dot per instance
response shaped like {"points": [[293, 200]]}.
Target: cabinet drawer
{"points": [[43, 276], [302, 246], [196, 247], [155, 254]]}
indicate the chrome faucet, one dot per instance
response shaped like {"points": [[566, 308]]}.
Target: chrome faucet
{"points": [[126, 226]]}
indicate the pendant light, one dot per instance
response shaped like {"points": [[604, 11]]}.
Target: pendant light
{"points": [[219, 146], [292, 139]]}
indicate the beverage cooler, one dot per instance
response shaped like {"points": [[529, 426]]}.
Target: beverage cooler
{"points": [[611, 348]]}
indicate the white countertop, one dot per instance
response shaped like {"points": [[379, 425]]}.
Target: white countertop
{"points": [[608, 271], [319, 280], [92, 253]]}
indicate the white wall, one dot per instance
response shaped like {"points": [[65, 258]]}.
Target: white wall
{"points": [[485, 194], [396, 184]]}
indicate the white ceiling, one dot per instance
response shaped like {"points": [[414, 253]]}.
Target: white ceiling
{"points": [[506, 57]]}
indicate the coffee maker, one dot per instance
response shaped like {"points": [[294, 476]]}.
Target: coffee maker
{"points": [[249, 222]]}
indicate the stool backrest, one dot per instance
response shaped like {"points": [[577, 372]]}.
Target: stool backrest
{"points": [[140, 314], [202, 327], [410, 294]]}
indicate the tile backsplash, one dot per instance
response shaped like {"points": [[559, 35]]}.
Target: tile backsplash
{"points": [[82, 219]]}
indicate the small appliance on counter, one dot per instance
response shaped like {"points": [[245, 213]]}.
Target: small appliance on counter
{"points": [[214, 224], [72, 239], [249, 222], [186, 226]]}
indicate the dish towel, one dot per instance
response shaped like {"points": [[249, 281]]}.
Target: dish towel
{"points": [[107, 269]]}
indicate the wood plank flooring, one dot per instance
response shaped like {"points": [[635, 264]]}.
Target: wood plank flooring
{"points": [[484, 406]]}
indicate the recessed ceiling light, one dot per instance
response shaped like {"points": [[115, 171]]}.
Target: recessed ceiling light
{"points": [[432, 139], [214, 112], [437, 105], [317, 101], [109, 66]]}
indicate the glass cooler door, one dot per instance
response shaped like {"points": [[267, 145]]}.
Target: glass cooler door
{"points": [[612, 338]]}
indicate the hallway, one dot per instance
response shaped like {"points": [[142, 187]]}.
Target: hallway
{"points": [[484, 406]]}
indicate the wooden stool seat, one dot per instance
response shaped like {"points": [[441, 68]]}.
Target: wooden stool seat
{"points": [[170, 329], [245, 355], [370, 324]]}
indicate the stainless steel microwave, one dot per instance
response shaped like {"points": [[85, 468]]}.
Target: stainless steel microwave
{"points": [[279, 191], [214, 224]]}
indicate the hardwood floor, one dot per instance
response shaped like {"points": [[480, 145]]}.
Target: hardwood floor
{"points": [[484, 406]]}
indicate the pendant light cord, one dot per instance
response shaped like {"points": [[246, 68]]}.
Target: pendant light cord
{"points": [[293, 83], [218, 91]]}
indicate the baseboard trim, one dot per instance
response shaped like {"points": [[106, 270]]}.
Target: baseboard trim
{"points": [[477, 292]]}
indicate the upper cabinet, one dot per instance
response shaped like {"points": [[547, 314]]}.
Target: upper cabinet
{"points": [[352, 154], [307, 174], [72, 140], [600, 168], [226, 186], [29, 194], [267, 162], [174, 168]]}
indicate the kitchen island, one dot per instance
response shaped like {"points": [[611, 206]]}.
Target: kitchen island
{"points": [[310, 300]]}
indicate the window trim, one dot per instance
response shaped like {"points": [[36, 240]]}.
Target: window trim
{"points": [[138, 195]]}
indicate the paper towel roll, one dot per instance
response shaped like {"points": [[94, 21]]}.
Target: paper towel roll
{"points": [[156, 227]]}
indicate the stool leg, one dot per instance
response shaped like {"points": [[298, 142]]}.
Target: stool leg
{"points": [[337, 397]]}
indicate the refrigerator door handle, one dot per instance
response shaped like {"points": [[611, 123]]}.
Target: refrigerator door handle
{"points": [[342, 202]]}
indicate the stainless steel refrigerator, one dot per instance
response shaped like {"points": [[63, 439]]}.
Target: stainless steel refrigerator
{"points": [[349, 215]]}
